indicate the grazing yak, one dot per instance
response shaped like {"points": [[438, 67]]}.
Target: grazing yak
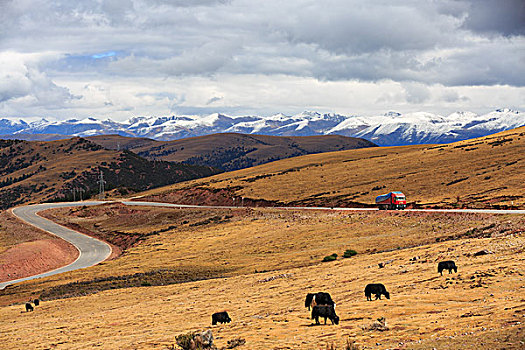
{"points": [[447, 265], [36, 302], [377, 289], [221, 317], [320, 298], [325, 311], [29, 307]]}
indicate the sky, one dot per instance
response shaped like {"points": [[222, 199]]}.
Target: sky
{"points": [[124, 58]]}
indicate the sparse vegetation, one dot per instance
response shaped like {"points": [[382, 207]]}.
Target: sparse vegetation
{"points": [[349, 253], [330, 257], [114, 301], [228, 151]]}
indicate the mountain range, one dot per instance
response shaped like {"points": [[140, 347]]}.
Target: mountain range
{"points": [[390, 129]]}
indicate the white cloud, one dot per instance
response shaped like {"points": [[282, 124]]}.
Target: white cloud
{"points": [[263, 56]]}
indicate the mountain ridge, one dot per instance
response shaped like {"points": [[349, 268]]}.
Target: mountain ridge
{"points": [[389, 129]]}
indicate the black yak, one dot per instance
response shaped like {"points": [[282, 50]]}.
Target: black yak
{"points": [[220, 317], [320, 298], [325, 311], [377, 289], [36, 302], [29, 307], [447, 265]]}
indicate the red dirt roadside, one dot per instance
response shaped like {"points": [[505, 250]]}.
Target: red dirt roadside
{"points": [[27, 251]]}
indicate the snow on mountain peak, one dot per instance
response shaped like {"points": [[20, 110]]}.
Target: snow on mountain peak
{"points": [[391, 128]]}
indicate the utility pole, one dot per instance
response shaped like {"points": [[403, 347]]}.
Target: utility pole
{"points": [[101, 182]]}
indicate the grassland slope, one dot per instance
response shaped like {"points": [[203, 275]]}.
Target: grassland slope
{"points": [[258, 264], [231, 151], [479, 173]]}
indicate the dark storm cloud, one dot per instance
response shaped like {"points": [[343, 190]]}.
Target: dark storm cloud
{"points": [[332, 40], [505, 17]]}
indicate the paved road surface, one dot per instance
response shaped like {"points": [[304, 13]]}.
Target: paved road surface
{"points": [[93, 251], [480, 211]]}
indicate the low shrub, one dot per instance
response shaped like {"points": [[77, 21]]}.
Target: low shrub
{"points": [[349, 253], [185, 340], [330, 257]]}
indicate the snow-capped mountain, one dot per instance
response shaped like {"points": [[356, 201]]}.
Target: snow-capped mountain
{"points": [[8, 126], [388, 129]]}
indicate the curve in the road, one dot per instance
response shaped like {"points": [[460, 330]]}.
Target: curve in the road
{"points": [[91, 250]]}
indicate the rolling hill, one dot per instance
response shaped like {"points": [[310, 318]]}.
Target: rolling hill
{"points": [[482, 173], [230, 151], [69, 169]]}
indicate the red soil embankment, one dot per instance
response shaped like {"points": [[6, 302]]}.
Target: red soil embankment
{"points": [[34, 257]]}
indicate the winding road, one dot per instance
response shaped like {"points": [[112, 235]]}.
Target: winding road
{"points": [[93, 251]]}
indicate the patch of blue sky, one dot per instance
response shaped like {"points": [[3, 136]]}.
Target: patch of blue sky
{"points": [[104, 55]]}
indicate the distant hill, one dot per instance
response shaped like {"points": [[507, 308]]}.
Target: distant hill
{"points": [[35, 137], [69, 169], [480, 173], [231, 151]]}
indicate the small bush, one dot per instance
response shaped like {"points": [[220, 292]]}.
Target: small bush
{"points": [[349, 253], [185, 340], [330, 257]]}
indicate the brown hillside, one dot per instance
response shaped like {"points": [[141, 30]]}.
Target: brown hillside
{"points": [[258, 264], [481, 173], [43, 171], [35, 137], [230, 151]]}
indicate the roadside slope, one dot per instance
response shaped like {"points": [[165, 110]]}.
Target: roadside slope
{"points": [[91, 250], [26, 250]]}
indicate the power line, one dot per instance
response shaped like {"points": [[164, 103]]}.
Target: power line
{"points": [[101, 194]]}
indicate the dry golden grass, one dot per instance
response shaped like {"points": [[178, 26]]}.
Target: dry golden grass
{"points": [[33, 172], [268, 308], [238, 241], [482, 306], [474, 173], [51, 166]]}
